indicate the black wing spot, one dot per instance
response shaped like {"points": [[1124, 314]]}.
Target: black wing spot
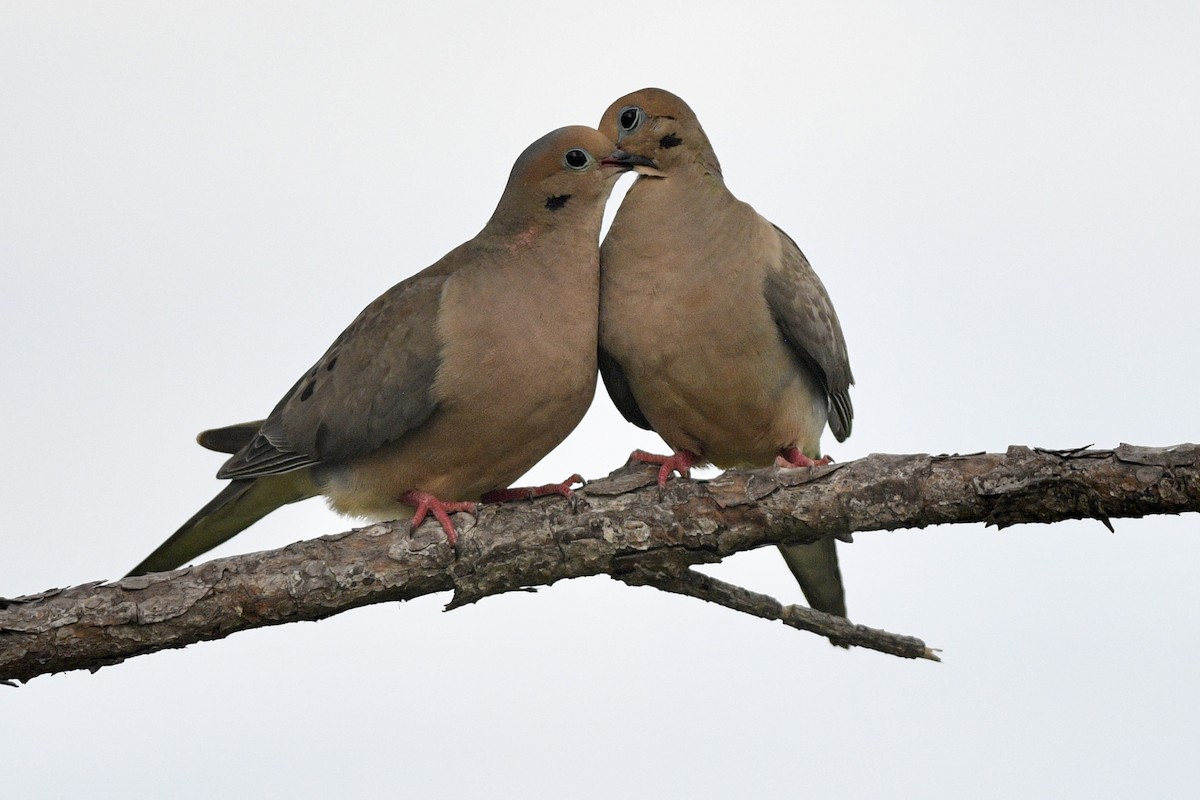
{"points": [[332, 363], [555, 202], [669, 141], [308, 390], [321, 439]]}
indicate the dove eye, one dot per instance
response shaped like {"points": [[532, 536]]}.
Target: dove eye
{"points": [[629, 119], [577, 159]]}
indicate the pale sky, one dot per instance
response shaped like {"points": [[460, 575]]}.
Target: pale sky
{"points": [[1003, 201]]}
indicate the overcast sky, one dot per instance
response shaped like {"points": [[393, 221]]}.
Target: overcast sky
{"points": [[1004, 203]]}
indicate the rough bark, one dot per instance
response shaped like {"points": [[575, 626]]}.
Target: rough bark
{"points": [[622, 525]]}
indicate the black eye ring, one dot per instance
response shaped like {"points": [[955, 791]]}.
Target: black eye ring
{"points": [[629, 119], [576, 158]]}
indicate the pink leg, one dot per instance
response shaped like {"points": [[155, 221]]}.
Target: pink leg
{"points": [[530, 492], [424, 502], [680, 461], [792, 457]]}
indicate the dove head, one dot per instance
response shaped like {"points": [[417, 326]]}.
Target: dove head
{"points": [[567, 175], [657, 125]]}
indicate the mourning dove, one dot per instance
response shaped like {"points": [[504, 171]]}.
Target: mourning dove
{"points": [[714, 330], [451, 384]]}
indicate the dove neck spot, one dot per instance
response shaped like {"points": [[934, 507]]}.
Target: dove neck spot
{"points": [[669, 141], [557, 201]]}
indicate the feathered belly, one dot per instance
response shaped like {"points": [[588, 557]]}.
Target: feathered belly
{"points": [[731, 415], [466, 449]]}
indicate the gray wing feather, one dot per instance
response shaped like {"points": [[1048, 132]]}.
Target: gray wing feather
{"points": [[373, 385], [807, 321], [613, 375]]}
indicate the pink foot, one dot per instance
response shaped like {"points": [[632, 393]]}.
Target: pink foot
{"points": [[792, 457], [424, 502], [681, 461], [530, 492]]}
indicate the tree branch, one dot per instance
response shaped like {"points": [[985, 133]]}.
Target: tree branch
{"points": [[838, 630], [621, 525]]}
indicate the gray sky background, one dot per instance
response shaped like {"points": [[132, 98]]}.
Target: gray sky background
{"points": [[1004, 203]]}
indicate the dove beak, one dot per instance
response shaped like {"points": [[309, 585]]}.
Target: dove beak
{"points": [[627, 161]]}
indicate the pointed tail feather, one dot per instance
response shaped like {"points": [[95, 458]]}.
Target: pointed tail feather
{"points": [[238, 506], [231, 438], [816, 569]]}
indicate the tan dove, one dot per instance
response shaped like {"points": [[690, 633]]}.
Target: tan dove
{"points": [[450, 385], [714, 330]]}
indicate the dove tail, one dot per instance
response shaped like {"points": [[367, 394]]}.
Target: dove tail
{"points": [[231, 438], [238, 506], [816, 569]]}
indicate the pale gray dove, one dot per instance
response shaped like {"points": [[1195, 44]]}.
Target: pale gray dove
{"points": [[450, 385], [714, 330]]}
